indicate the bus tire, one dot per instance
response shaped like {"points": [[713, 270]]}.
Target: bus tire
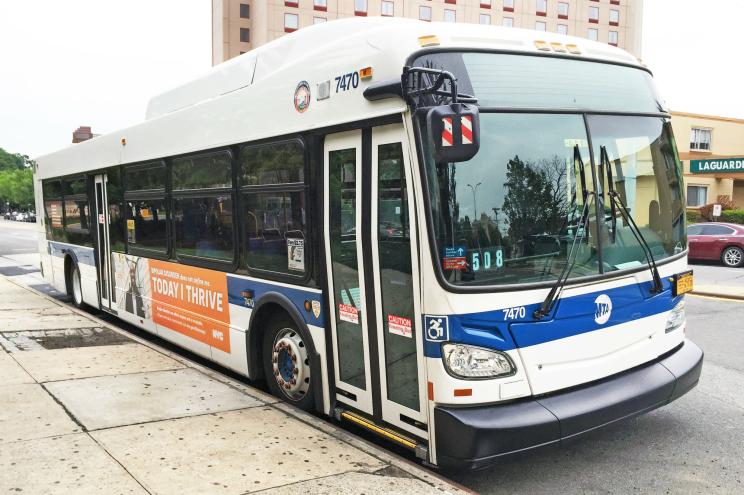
{"points": [[286, 361], [75, 286]]}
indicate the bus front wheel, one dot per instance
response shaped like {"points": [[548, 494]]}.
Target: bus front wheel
{"points": [[287, 363]]}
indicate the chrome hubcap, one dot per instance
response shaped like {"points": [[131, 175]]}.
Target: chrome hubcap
{"points": [[290, 364], [732, 257]]}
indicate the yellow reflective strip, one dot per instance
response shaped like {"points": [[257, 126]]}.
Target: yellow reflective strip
{"points": [[377, 429]]}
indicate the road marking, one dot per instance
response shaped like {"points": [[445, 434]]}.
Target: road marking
{"points": [[717, 298]]}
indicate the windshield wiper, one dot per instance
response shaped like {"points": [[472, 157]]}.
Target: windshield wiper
{"points": [[581, 227], [606, 167]]}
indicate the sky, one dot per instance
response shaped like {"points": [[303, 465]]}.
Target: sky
{"points": [[97, 62]]}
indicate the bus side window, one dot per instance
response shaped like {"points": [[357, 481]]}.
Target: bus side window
{"points": [[76, 211], [147, 207], [52, 195], [274, 207], [203, 202]]}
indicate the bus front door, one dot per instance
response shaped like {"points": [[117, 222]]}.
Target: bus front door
{"points": [[103, 247], [373, 282]]}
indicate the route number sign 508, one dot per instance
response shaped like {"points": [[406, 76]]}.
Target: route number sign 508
{"points": [[488, 261]]}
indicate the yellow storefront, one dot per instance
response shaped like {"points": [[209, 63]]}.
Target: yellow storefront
{"points": [[712, 152]]}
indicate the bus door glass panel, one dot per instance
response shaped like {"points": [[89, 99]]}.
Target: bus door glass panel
{"points": [[103, 245], [346, 278], [396, 279], [343, 206]]}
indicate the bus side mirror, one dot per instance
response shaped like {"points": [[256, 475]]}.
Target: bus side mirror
{"points": [[455, 130]]}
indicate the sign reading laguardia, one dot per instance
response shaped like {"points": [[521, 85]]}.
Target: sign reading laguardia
{"points": [[735, 165]]}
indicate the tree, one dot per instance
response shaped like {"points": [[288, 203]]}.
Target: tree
{"points": [[16, 180], [535, 202]]}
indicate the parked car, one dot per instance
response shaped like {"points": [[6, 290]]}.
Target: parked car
{"points": [[20, 217], [717, 241]]}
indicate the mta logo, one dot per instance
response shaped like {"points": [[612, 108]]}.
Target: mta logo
{"points": [[602, 309]]}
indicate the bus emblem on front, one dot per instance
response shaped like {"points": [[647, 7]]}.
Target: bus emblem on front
{"points": [[602, 309]]}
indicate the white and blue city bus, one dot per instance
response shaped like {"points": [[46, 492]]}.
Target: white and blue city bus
{"points": [[468, 239]]}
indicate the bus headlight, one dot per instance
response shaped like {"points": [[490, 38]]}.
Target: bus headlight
{"points": [[464, 361], [676, 318]]}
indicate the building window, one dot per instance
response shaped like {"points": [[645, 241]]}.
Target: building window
{"points": [[697, 196], [562, 29], [700, 139], [615, 2], [450, 15], [508, 22], [562, 10], [387, 8], [594, 15], [593, 34], [425, 13], [484, 19], [614, 17], [540, 26], [291, 22], [485, 4], [450, 1], [612, 39], [541, 7], [321, 5], [245, 35], [509, 5], [360, 7], [245, 11], [291, 3], [319, 20]]}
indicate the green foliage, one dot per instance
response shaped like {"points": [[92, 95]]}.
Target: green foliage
{"points": [[693, 217], [733, 216], [16, 180], [14, 161]]}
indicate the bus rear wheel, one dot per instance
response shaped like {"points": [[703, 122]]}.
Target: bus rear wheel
{"points": [[287, 363], [75, 287]]}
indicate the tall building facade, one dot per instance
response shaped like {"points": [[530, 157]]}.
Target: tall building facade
{"points": [[241, 25]]}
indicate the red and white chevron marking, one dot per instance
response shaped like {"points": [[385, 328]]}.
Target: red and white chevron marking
{"points": [[447, 138], [466, 122]]}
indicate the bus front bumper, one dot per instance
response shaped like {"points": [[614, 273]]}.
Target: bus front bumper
{"points": [[476, 437]]}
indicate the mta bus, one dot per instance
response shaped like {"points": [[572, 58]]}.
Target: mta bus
{"points": [[467, 239]]}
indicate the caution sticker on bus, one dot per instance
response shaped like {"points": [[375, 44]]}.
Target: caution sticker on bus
{"points": [[682, 283]]}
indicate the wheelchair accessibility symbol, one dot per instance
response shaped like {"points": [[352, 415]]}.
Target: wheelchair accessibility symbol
{"points": [[437, 328]]}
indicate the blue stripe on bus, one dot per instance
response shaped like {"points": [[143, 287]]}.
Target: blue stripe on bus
{"points": [[573, 316], [85, 255], [298, 296]]}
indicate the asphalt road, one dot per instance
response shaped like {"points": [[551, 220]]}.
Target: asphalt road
{"points": [[694, 445]]}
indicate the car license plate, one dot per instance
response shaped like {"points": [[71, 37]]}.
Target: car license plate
{"points": [[682, 283]]}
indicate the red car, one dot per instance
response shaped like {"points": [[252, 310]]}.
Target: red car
{"points": [[717, 241]]}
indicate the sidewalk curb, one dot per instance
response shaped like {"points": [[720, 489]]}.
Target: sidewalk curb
{"points": [[719, 295], [414, 470]]}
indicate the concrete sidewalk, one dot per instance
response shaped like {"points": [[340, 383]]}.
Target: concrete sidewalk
{"points": [[87, 408]]}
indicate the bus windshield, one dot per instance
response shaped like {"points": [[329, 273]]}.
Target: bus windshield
{"points": [[510, 214]]}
